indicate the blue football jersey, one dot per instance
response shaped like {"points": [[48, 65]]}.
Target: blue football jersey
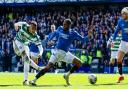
{"points": [[65, 38], [122, 25]]}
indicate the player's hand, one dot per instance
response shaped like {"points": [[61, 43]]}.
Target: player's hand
{"points": [[51, 42], [108, 44], [112, 44], [39, 56], [16, 26]]}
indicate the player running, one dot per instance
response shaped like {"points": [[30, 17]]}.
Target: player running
{"points": [[123, 48], [25, 37], [114, 50], [61, 52]]}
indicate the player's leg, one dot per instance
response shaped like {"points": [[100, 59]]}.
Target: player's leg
{"points": [[50, 64], [26, 72], [27, 58], [70, 58], [44, 70], [18, 47], [19, 50], [112, 61], [119, 64], [34, 65], [22, 50], [77, 64], [41, 73], [27, 66], [27, 63], [123, 49]]}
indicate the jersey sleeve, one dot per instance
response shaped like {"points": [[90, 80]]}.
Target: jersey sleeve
{"points": [[117, 29], [23, 25], [109, 41], [77, 36], [38, 41]]}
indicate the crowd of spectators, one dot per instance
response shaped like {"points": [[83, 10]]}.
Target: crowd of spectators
{"points": [[101, 21]]}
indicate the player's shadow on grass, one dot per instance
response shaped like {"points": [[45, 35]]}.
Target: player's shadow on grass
{"points": [[34, 86], [107, 84], [10, 85], [51, 86]]}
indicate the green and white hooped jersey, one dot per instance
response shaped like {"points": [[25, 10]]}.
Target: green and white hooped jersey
{"points": [[116, 43], [25, 37]]}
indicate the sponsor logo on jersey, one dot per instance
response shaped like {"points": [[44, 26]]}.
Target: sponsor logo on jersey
{"points": [[65, 36]]}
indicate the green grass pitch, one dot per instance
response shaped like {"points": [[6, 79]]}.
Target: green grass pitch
{"points": [[56, 81]]}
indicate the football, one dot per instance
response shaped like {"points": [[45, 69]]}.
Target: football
{"points": [[92, 78]]}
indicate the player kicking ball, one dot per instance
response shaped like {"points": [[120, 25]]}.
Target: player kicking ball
{"points": [[123, 48], [27, 34], [61, 52]]}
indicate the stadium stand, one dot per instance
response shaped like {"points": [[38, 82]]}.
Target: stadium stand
{"points": [[100, 18]]}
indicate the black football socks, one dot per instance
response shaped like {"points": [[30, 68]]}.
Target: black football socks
{"points": [[120, 68]]}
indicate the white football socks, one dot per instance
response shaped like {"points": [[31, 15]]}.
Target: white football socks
{"points": [[34, 80], [26, 70], [31, 62]]}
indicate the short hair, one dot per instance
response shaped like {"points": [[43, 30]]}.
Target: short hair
{"points": [[33, 22], [68, 21], [125, 9]]}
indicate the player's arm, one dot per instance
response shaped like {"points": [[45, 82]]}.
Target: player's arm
{"points": [[83, 39], [51, 42], [18, 25], [39, 45], [40, 50], [54, 34], [109, 42], [117, 29]]}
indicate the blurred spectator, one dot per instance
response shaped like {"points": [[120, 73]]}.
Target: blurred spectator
{"points": [[6, 61], [20, 66], [53, 42], [100, 20]]}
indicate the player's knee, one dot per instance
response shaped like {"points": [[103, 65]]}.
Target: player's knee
{"points": [[119, 60], [79, 65], [46, 69], [50, 65], [77, 62], [112, 61], [120, 56]]}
